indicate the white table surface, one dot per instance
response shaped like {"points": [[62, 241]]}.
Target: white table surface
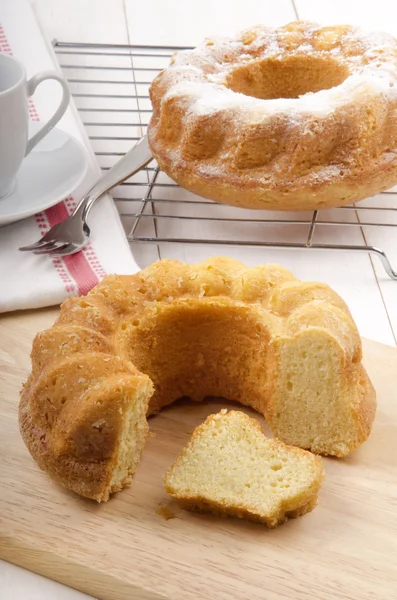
{"points": [[361, 281]]}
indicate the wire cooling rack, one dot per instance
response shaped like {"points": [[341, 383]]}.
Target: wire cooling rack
{"points": [[110, 86]]}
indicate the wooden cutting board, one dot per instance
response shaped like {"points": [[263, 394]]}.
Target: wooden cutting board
{"points": [[126, 549]]}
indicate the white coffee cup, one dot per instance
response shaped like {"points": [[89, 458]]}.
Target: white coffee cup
{"points": [[14, 117]]}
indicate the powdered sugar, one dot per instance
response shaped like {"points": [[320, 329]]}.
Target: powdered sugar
{"points": [[370, 59]]}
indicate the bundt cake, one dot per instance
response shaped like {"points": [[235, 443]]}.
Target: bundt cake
{"points": [[229, 467], [255, 335], [296, 118]]}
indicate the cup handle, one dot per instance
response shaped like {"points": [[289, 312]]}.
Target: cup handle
{"points": [[31, 88]]}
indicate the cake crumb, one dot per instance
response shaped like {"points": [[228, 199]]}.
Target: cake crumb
{"points": [[165, 512]]}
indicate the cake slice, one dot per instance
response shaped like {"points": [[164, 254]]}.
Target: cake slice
{"points": [[230, 467]]}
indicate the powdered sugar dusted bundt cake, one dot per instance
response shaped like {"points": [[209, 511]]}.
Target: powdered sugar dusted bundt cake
{"points": [[300, 117], [255, 335]]}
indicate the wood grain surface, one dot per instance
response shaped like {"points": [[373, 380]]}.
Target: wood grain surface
{"points": [[130, 548]]}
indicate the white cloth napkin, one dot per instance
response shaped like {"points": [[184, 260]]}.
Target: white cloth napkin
{"points": [[26, 280]]}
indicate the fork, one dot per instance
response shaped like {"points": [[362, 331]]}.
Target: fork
{"points": [[71, 235]]}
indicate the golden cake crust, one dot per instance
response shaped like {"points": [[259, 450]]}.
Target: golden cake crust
{"points": [[197, 493], [295, 118], [73, 428], [136, 343]]}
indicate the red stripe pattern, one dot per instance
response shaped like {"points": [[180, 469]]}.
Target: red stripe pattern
{"points": [[77, 264], [79, 272], [4, 45], [33, 116]]}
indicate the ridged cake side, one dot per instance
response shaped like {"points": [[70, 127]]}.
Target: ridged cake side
{"points": [[295, 118], [83, 408], [136, 343]]}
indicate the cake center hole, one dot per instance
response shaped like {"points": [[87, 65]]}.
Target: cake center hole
{"points": [[287, 78]]}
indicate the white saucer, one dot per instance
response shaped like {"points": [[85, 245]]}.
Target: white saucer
{"points": [[51, 172]]}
